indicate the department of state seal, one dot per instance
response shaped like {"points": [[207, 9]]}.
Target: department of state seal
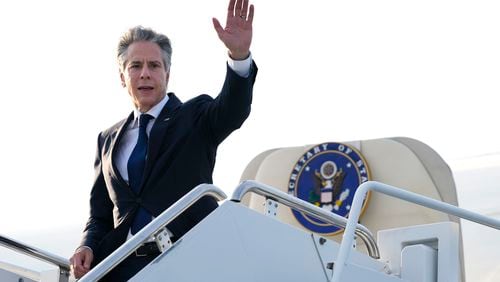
{"points": [[327, 176]]}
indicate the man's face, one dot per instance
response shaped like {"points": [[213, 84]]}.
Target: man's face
{"points": [[145, 75]]}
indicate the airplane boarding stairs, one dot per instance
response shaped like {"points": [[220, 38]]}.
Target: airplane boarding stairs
{"points": [[235, 243]]}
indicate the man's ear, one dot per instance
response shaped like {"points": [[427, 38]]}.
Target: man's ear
{"points": [[122, 78], [167, 77]]}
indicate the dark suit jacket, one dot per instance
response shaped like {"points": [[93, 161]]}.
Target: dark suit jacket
{"points": [[181, 154]]}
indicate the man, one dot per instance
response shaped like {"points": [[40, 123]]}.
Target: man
{"points": [[148, 161]]}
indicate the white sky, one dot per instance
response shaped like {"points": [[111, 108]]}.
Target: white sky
{"points": [[328, 71]]}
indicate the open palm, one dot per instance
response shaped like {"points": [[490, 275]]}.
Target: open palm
{"points": [[237, 35]]}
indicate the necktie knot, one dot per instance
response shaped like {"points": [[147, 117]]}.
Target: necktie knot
{"points": [[144, 120]]}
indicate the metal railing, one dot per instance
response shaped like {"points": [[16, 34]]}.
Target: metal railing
{"points": [[357, 203], [151, 229], [60, 262], [305, 207]]}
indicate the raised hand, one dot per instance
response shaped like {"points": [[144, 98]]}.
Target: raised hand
{"points": [[237, 35]]}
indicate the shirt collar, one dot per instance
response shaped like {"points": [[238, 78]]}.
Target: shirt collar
{"points": [[154, 111]]}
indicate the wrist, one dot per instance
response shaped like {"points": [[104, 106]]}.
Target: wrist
{"points": [[81, 248], [239, 56]]}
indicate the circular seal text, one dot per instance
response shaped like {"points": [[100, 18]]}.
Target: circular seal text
{"points": [[327, 176]]}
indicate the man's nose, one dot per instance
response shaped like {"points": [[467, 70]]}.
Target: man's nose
{"points": [[145, 73]]}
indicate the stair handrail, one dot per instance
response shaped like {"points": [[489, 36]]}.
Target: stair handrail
{"points": [[305, 207], [17, 246], [167, 216], [402, 194]]}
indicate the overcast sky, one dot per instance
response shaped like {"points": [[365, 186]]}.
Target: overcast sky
{"points": [[328, 71]]}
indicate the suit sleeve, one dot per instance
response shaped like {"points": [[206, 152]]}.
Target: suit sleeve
{"points": [[230, 109], [100, 221]]}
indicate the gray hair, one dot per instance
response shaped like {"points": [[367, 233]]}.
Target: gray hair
{"points": [[139, 33]]}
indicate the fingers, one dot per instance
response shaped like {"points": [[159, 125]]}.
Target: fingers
{"points": [[244, 9], [80, 262], [250, 14], [230, 9], [76, 265], [239, 9]]}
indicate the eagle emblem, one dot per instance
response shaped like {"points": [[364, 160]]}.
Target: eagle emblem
{"points": [[327, 176]]}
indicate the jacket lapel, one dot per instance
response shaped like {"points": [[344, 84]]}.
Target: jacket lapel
{"points": [[157, 134], [116, 138]]}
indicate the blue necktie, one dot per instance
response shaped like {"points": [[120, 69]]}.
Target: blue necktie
{"points": [[135, 168]]}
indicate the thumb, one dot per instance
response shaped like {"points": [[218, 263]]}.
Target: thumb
{"points": [[218, 27], [87, 260]]}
